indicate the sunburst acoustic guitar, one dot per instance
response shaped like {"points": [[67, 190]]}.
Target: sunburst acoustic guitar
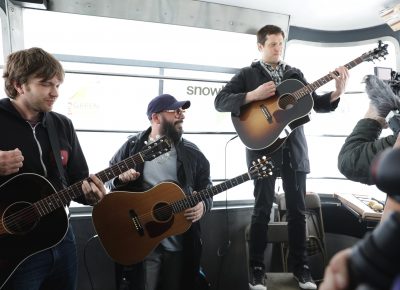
{"points": [[141, 220], [267, 123], [33, 216]]}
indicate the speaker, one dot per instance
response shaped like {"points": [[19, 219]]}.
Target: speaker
{"points": [[36, 4]]}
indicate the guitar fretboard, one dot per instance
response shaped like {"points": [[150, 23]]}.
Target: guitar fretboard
{"points": [[322, 81], [64, 196], [192, 200]]}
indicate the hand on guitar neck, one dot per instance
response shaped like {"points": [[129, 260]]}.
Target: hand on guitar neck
{"points": [[195, 213], [340, 75]]}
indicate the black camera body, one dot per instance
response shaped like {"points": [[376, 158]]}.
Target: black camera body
{"points": [[392, 79], [393, 120], [375, 260]]}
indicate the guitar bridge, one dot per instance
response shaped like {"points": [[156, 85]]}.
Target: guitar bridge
{"points": [[136, 222], [266, 113]]}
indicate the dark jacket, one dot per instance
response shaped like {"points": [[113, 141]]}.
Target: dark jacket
{"points": [[193, 175], [18, 133], [360, 148], [232, 96]]}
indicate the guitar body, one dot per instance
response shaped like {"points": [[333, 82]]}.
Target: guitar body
{"points": [[25, 233], [269, 122], [131, 224]]}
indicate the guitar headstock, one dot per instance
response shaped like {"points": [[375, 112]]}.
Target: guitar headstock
{"points": [[261, 168], [156, 148], [376, 53]]}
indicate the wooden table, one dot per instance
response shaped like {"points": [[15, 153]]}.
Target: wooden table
{"points": [[356, 202]]}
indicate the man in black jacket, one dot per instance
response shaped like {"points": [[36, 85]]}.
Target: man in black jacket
{"points": [[175, 263], [28, 153], [258, 82]]}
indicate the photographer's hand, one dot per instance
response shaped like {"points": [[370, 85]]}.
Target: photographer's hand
{"points": [[372, 113], [336, 275]]}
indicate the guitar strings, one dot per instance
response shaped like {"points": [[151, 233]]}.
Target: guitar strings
{"points": [[30, 214], [192, 200]]}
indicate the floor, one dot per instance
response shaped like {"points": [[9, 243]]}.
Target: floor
{"points": [[281, 281]]}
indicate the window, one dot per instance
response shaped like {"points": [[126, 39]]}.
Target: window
{"points": [[114, 67], [326, 133]]}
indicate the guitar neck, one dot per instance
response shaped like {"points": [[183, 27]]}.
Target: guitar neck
{"points": [[63, 197], [192, 200], [322, 81]]}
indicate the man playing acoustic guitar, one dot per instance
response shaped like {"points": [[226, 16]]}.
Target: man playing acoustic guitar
{"points": [[259, 82], [175, 263], [39, 153]]}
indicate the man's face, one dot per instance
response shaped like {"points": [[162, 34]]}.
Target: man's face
{"points": [[271, 50], [171, 124], [39, 95]]}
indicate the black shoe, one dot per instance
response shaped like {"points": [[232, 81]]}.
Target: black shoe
{"points": [[257, 279], [303, 276]]}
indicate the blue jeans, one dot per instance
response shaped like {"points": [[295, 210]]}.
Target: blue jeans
{"points": [[51, 269]]}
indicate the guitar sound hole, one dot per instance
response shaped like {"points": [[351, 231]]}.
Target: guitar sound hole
{"points": [[287, 102], [20, 218], [162, 212]]}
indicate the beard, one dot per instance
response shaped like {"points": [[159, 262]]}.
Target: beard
{"points": [[169, 129]]}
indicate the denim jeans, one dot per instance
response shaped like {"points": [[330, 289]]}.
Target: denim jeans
{"points": [[51, 269]]}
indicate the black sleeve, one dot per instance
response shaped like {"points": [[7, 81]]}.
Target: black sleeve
{"points": [[360, 148], [232, 95]]}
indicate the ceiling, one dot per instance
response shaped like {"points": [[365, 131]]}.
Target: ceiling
{"points": [[331, 15]]}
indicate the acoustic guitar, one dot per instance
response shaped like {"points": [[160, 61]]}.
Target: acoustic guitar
{"points": [[131, 224], [33, 216], [267, 123]]}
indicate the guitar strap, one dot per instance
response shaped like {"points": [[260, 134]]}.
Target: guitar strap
{"points": [[55, 146]]}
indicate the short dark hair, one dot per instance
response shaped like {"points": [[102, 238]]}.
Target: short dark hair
{"points": [[268, 30], [24, 64]]}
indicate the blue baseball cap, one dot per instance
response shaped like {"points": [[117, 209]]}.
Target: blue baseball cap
{"points": [[165, 102]]}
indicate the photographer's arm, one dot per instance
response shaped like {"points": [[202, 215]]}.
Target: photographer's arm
{"points": [[362, 145]]}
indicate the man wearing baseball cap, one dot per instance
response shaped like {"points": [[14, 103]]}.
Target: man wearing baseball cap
{"points": [[175, 263]]}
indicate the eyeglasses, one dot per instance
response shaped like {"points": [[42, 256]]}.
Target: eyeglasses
{"points": [[178, 112]]}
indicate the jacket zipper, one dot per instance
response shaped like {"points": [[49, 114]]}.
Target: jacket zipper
{"points": [[39, 147]]}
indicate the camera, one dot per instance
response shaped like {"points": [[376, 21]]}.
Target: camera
{"points": [[393, 120], [375, 260], [392, 79]]}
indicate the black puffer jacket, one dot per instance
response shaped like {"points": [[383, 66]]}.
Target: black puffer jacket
{"points": [[232, 96], [360, 148]]}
